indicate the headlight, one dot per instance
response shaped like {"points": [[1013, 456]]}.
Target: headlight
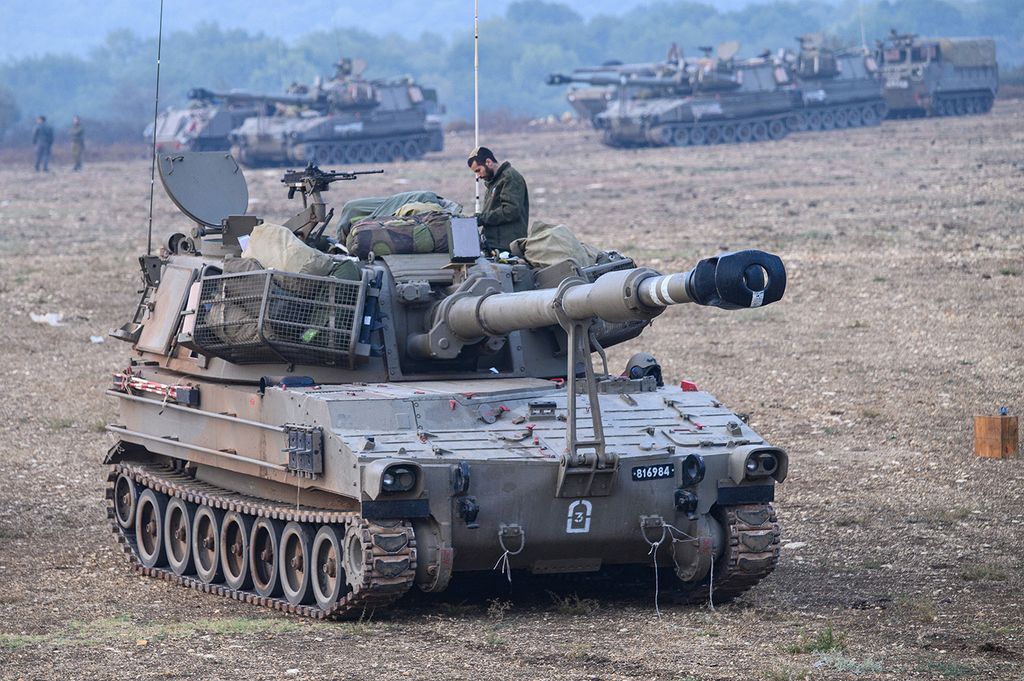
{"points": [[761, 464], [755, 462], [692, 470], [399, 478]]}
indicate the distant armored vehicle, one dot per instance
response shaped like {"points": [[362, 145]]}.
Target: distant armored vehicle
{"points": [[347, 120], [710, 101], [838, 88], [938, 76], [204, 124], [317, 434]]}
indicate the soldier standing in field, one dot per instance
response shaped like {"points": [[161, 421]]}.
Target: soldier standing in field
{"points": [[42, 137], [76, 133], [506, 209]]}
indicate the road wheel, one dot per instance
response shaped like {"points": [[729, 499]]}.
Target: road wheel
{"points": [[411, 150], [149, 528], [698, 135], [869, 116], [381, 153], [206, 543], [814, 120], [295, 563], [853, 117], [328, 573], [828, 120], [744, 132], [178, 535], [126, 498], [234, 549], [759, 131], [776, 129], [842, 119], [681, 136], [714, 134], [395, 150], [264, 556], [728, 133]]}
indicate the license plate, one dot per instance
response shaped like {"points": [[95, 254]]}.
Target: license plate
{"points": [[657, 472]]}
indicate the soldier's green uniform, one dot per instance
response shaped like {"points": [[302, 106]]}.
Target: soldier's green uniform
{"points": [[506, 210], [76, 133]]}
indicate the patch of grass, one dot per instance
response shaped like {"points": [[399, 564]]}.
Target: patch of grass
{"points": [[98, 427], [1010, 272], [460, 609], [982, 573], [786, 674], [841, 663], [574, 605], [494, 639], [497, 608], [59, 423], [18, 641], [826, 641], [123, 629], [880, 280], [952, 515], [919, 609], [850, 520], [870, 413], [857, 324], [948, 669]]}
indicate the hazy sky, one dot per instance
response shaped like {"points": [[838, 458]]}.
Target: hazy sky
{"points": [[35, 27]]}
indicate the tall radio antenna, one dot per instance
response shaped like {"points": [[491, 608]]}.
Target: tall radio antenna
{"points": [[156, 111], [476, 90], [863, 40]]}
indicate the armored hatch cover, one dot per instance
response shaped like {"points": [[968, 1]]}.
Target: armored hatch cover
{"points": [[207, 186]]}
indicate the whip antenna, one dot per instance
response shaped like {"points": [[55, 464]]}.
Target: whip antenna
{"points": [[476, 89], [860, 13], [156, 111]]}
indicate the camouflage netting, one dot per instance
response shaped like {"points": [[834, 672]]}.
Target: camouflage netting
{"points": [[968, 51]]}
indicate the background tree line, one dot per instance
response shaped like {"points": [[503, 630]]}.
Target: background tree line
{"points": [[112, 87]]}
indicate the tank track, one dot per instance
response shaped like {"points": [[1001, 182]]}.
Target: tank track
{"points": [[382, 150], [389, 554], [752, 544], [958, 104], [840, 116], [755, 129]]}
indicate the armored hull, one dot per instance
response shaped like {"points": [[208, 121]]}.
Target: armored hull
{"points": [[742, 103], [838, 90], [392, 122], [938, 77], [199, 128], [320, 443]]}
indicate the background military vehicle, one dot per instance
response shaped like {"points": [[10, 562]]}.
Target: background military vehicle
{"points": [[346, 120], [938, 76], [839, 88], [319, 442], [709, 101], [204, 124]]}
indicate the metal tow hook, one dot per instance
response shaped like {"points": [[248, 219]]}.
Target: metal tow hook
{"points": [[509, 533]]}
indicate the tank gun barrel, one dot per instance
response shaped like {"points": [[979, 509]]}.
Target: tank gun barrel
{"points": [[730, 281], [622, 79], [245, 97]]}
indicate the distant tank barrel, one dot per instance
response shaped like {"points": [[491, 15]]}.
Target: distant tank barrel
{"points": [[245, 97], [601, 79], [731, 281]]}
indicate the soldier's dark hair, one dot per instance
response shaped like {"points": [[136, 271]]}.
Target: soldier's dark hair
{"points": [[42, 117], [480, 155]]}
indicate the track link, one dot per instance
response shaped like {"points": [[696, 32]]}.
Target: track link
{"points": [[751, 553], [388, 559]]}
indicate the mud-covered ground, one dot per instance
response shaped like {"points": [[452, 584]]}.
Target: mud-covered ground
{"points": [[904, 318]]}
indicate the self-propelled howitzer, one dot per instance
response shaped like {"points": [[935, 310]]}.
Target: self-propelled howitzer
{"points": [[318, 443]]}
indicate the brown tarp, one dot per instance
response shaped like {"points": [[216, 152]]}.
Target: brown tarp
{"points": [[968, 51]]}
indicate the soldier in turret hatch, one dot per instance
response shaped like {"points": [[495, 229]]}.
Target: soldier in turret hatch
{"points": [[506, 209]]}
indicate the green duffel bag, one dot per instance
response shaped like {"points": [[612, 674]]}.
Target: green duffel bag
{"points": [[420, 233]]}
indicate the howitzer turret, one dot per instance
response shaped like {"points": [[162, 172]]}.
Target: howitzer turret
{"points": [[319, 433]]}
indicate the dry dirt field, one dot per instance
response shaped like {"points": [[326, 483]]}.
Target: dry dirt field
{"points": [[904, 317]]}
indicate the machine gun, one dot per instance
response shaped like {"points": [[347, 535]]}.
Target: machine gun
{"points": [[310, 182]]}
